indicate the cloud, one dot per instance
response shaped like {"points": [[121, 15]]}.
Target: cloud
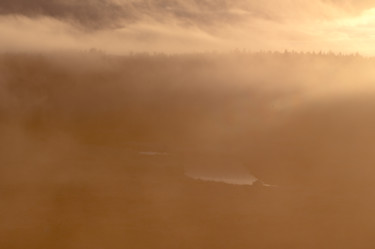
{"points": [[47, 34], [119, 26], [87, 13], [100, 13]]}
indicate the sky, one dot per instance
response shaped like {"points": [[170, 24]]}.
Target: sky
{"points": [[183, 26]]}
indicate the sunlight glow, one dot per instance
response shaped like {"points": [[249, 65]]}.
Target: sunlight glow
{"points": [[366, 20]]}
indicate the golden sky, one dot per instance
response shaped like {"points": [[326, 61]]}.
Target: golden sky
{"points": [[121, 26]]}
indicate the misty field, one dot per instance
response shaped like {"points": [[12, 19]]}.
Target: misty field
{"points": [[235, 150]]}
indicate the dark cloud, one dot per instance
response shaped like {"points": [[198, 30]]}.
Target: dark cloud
{"points": [[87, 13], [105, 13]]}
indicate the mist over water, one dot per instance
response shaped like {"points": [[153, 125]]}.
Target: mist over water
{"points": [[220, 172], [179, 151]]}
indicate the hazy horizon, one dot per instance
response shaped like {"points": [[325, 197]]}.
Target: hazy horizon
{"points": [[187, 124]]}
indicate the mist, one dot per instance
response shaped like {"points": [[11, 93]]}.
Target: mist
{"points": [[187, 124], [198, 150]]}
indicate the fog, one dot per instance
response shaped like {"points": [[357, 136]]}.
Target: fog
{"points": [[198, 150]]}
